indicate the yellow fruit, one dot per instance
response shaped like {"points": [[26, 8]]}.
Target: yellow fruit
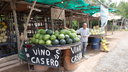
{"points": [[103, 44], [3, 23], [5, 27], [105, 48], [3, 40]]}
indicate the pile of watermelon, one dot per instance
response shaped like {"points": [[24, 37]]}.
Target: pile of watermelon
{"points": [[49, 37]]}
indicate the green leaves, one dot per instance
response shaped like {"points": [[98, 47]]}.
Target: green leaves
{"points": [[122, 9]]}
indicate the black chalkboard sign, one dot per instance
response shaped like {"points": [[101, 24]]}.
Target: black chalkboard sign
{"points": [[76, 53], [40, 55]]}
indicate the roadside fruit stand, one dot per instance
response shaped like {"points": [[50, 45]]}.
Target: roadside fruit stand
{"points": [[97, 39], [53, 46], [48, 43], [49, 48]]}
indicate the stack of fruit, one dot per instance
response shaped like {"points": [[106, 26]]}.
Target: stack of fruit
{"points": [[104, 43], [97, 31], [3, 36], [49, 37]]}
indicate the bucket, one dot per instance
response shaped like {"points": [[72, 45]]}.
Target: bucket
{"points": [[68, 66], [95, 40], [40, 68], [96, 46], [96, 43]]}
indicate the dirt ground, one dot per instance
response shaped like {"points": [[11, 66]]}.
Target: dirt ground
{"points": [[117, 59], [114, 61]]}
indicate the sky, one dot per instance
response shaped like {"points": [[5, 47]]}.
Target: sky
{"points": [[118, 1]]}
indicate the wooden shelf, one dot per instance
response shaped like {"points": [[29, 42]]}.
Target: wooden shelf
{"points": [[6, 43], [9, 62]]}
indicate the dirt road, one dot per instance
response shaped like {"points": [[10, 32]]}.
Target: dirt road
{"points": [[117, 59]]}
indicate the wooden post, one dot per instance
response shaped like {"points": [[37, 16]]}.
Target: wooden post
{"points": [[45, 22], [64, 23], [26, 24], [98, 22], [78, 24], [12, 3], [112, 26], [52, 24], [88, 21], [122, 23]]}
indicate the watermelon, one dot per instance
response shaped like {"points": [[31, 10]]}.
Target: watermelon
{"points": [[56, 33], [69, 41], [34, 35], [41, 31], [76, 39], [41, 42], [62, 42], [46, 37], [40, 37], [36, 41], [73, 35], [48, 42], [67, 37], [72, 31], [61, 36], [33, 40], [67, 32], [53, 37], [37, 35], [63, 31], [50, 32], [55, 42]]}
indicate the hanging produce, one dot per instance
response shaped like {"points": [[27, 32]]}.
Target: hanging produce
{"points": [[49, 37]]}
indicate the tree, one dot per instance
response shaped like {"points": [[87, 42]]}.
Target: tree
{"points": [[122, 9]]}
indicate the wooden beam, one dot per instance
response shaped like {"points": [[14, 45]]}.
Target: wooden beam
{"points": [[84, 6], [10, 66], [8, 58], [13, 7], [89, 9], [48, 6], [9, 62], [10, 0], [38, 5], [26, 24]]}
